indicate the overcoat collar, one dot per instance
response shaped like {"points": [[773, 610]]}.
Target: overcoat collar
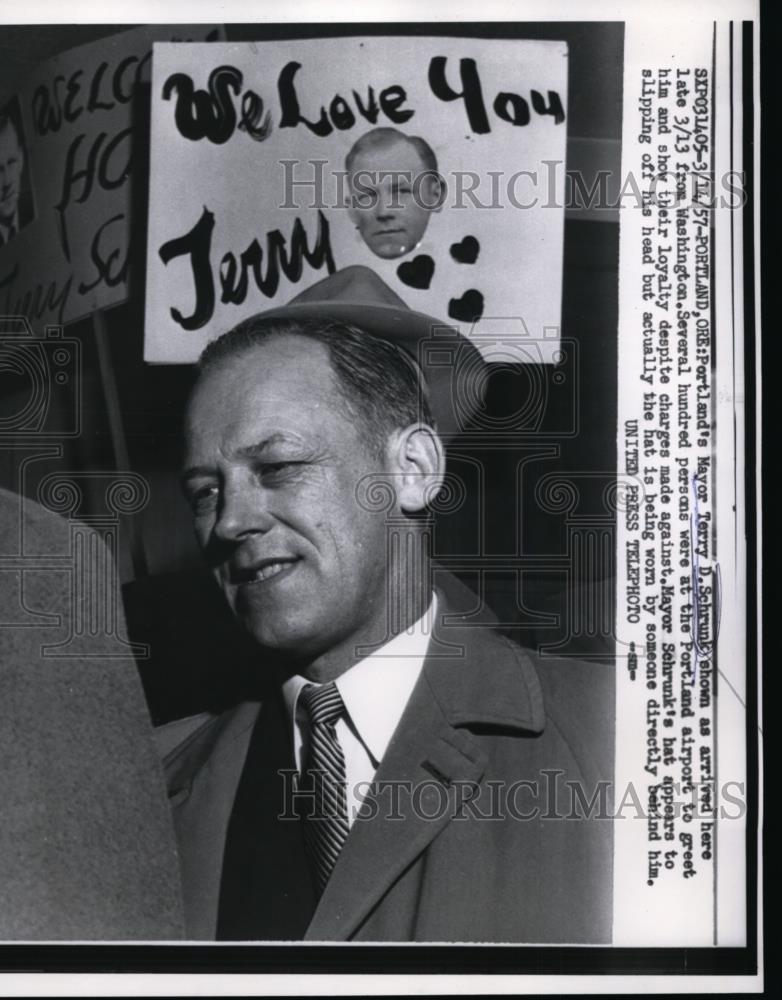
{"points": [[466, 684]]}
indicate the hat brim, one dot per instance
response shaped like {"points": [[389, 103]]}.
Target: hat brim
{"points": [[453, 367]]}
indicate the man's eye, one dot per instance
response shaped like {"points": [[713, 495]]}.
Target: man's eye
{"points": [[202, 497], [277, 470]]}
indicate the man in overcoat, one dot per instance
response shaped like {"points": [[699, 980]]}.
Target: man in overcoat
{"points": [[403, 772]]}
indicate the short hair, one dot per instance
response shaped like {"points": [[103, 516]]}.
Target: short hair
{"points": [[380, 382], [380, 138]]}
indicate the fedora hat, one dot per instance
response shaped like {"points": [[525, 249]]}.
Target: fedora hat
{"points": [[453, 368]]}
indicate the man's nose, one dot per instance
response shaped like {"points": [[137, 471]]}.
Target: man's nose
{"points": [[243, 511], [384, 213], [386, 207]]}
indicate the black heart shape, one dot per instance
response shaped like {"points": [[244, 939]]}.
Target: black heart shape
{"points": [[417, 273], [467, 251], [467, 309]]}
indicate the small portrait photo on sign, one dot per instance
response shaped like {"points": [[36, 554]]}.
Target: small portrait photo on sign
{"points": [[16, 200], [395, 187]]}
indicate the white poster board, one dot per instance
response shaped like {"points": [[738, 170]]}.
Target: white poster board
{"points": [[250, 195]]}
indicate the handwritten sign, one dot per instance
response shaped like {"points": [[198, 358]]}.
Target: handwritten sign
{"points": [[437, 162], [75, 126]]}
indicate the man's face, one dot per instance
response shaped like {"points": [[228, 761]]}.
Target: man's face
{"points": [[11, 164], [391, 211], [271, 469]]}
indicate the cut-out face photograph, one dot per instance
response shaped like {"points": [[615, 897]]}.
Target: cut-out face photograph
{"points": [[394, 189]]}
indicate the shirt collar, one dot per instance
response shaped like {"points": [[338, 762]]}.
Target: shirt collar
{"points": [[376, 690]]}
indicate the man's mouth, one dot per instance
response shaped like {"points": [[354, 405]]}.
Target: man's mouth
{"points": [[264, 569]]}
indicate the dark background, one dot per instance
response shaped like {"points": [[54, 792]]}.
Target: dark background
{"points": [[541, 555]]}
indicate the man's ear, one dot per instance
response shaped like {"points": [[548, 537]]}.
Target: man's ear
{"points": [[418, 463]]}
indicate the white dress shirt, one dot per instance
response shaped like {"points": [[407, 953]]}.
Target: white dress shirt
{"points": [[375, 692]]}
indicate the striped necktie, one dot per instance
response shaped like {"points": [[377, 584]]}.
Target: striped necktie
{"points": [[325, 817]]}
